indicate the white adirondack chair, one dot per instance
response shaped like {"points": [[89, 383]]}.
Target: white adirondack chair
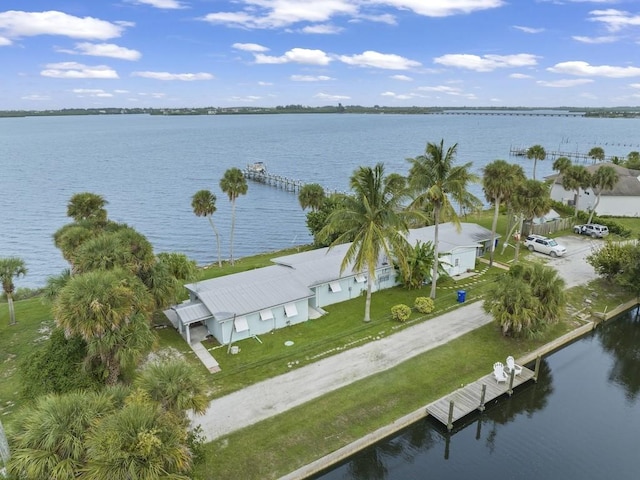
{"points": [[512, 365], [499, 373]]}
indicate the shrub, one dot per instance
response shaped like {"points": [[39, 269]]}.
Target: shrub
{"points": [[424, 304], [400, 312]]}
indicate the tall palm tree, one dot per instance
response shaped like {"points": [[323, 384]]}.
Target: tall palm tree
{"points": [[203, 204], [530, 200], [604, 178], [87, 206], [500, 179], [10, 268], [373, 219], [110, 311], [561, 164], [311, 196], [535, 153], [435, 179], [597, 154], [233, 184], [574, 178]]}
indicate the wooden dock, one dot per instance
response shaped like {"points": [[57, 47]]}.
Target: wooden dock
{"points": [[257, 172], [475, 396]]}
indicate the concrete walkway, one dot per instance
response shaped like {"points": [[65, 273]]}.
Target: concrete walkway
{"points": [[279, 394]]}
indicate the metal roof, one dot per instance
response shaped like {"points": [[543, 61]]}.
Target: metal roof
{"points": [[251, 291], [448, 236]]}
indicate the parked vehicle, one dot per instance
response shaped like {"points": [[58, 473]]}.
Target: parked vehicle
{"points": [[548, 246], [594, 230]]}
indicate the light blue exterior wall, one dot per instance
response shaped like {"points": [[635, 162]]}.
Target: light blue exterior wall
{"points": [[222, 329], [460, 260]]}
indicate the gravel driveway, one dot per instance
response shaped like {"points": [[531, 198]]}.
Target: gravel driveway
{"points": [[573, 266]]}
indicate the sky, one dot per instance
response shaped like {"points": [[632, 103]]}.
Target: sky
{"points": [[265, 53]]}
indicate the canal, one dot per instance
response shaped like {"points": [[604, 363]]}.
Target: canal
{"points": [[580, 421]]}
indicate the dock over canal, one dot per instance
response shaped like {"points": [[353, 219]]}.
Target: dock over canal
{"points": [[474, 396]]}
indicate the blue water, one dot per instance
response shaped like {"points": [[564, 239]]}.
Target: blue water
{"points": [[580, 421], [148, 167]]}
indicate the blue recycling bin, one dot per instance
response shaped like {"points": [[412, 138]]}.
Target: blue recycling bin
{"points": [[462, 296]]}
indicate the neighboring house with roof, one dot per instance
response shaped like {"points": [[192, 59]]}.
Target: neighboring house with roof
{"points": [[294, 289], [622, 201]]}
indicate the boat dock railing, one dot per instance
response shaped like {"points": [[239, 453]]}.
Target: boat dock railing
{"points": [[261, 175]]}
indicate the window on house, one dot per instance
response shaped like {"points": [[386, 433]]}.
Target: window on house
{"points": [[360, 278], [266, 315], [241, 324], [335, 287], [456, 262], [290, 310]]}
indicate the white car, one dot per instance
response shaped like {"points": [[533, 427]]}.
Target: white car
{"points": [[548, 246]]}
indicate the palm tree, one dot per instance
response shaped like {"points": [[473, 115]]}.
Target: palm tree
{"points": [[10, 268], [203, 203], [434, 178], [633, 160], [109, 310], [604, 178], [175, 385], [499, 180], [311, 196], [373, 219], [139, 441], [535, 153], [561, 164], [597, 154], [530, 200], [50, 436], [87, 206], [418, 265], [576, 177], [233, 184]]}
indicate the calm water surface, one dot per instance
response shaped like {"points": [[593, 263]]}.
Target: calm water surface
{"points": [[580, 421], [148, 167]]}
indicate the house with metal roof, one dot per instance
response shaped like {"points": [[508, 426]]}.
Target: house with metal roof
{"points": [[296, 287], [622, 201]]}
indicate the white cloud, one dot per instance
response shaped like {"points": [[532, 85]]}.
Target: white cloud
{"points": [[373, 59], [250, 47], [486, 63], [5, 41], [163, 4], [397, 96], [36, 97], [581, 68], [265, 84], [16, 24], [564, 83], [279, 13], [528, 29], [310, 78], [92, 92], [402, 78], [595, 40], [283, 13], [323, 29], [333, 98], [519, 75], [185, 77], [615, 20], [296, 55], [78, 70], [104, 50], [441, 8], [634, 85]]}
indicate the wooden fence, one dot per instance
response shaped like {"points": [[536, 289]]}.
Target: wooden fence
{"points": [[549, 227]]}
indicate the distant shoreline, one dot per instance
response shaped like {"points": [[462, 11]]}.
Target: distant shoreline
{"points": [[619, 112]]}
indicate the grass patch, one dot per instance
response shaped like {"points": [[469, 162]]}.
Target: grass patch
{"points": [[34, 322]]}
